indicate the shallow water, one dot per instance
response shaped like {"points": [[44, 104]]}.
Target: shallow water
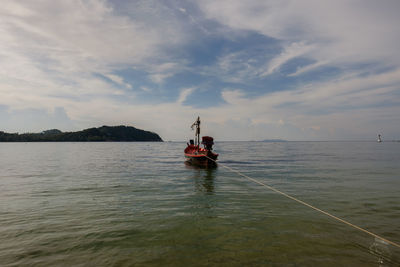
{"points": [[124, 204]]}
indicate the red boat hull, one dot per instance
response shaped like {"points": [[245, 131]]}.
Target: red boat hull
{"points": [[200, 156]]}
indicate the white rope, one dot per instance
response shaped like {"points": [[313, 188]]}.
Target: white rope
{"points": [[308, 205]]}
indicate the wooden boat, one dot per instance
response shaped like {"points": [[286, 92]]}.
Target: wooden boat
{"points": [[201, 156]]}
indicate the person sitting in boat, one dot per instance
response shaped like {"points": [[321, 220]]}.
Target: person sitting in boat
{"points": [[191, 142]]}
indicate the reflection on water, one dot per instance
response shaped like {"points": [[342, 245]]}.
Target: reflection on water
{"points": [[205, 181], [203, 177]]}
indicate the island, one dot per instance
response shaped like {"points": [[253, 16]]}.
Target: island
{"points": [[100, 134]]}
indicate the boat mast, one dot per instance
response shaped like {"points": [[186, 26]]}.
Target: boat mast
{"points": [[197, 139], [198, 132]]}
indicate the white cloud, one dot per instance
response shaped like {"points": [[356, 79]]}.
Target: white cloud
{"points": [[145, 89], [184, 94], [118, 79], [295, 115], [235, 67], [56, 48], [234, 97], [341, 31], [355, 103], [51, 53], [308, 68], [160, 72], [78, 34], [159, 77], [289, 52], [35, 119]]}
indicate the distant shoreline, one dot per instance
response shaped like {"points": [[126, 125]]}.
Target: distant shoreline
{"points": [[101, 134]]}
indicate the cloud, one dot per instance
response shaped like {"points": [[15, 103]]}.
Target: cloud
{"points": [[108, 62], [80, 35], [307, 68], [145, 89], [119, 80], [57, 54], [50, 48], [160, 77], [160, 72], [343, 103], [340, 31], [294, 115], [235, 67], [289, 52], [184, 94], [34, 120]]}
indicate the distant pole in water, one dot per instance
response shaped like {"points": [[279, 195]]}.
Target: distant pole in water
{"points": [[379, 138]]}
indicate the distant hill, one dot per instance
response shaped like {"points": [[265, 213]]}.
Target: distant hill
{"points": [[101, 134]]}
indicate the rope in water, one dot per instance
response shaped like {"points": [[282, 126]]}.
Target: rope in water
{"points": [[308, 205]]}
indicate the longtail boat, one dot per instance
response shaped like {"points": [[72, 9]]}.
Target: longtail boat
{"points": [[201, 156]]}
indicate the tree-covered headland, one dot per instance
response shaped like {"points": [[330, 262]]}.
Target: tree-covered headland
{"points": [[101, 134]]}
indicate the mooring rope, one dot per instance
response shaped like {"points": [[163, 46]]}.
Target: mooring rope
{"points": [[308, 205]]}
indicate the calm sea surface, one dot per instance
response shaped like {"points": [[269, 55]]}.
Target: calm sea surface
{"points": [[124, 204]]}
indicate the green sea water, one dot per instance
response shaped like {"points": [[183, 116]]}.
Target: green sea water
{"points": [[138, 204]]}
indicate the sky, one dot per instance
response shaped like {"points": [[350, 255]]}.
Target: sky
{"points": [[252, 70]]}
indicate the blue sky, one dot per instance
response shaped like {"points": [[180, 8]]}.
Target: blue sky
{"points": [[252, 70]]}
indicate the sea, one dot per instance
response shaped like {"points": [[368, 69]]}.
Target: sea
{"points": [[139, 204]]}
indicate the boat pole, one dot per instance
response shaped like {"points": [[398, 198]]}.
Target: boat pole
{"points": [[198, 133]]}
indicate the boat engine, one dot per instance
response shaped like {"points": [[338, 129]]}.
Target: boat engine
{"points": [[208, 142]]}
